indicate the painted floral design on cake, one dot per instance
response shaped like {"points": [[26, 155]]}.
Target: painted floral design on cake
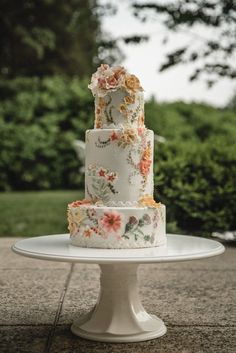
{"points": [[108, 79], [136, 140], [120, 211], [106, 82], [102, 183], [90, 223]]}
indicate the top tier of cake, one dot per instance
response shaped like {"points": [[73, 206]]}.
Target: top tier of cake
{"points": [[119, 99]]}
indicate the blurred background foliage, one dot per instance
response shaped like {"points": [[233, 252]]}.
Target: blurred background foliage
{"points": [[48, 51], [194, 170], [47, 37]]}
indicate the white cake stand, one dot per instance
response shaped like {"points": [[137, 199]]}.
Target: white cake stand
{"points": [[118, 315]]}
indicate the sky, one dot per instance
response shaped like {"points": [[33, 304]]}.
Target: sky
{"points": [[144, 59]]}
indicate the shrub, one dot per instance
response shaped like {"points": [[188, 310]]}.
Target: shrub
{"points": [[39, 119], [194, 170], [198, 185], [195, 122]]}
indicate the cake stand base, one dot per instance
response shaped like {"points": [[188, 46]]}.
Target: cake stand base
{"points": [[119, 315]]}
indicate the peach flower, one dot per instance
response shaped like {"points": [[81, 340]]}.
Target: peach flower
{"points": [[128, 137], [88, 232], [111, 221], [103, 67], [144, 166], [79, 203], [119, 71]]}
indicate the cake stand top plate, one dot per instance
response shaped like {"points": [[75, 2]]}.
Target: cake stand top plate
{"points": [[58, 248]]}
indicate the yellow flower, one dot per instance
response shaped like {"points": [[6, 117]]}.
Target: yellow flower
{"points": [[128, 137], [141, 119], [79, 215], [123, 108], [132, 83], [72, 227], [147, 153], [101, 103], [147, 200], [130, 99]]}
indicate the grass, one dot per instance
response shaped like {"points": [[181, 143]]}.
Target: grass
{"points": [[35, 213]]}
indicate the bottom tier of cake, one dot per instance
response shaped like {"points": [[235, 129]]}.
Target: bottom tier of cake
{"points": [[116, 227]]}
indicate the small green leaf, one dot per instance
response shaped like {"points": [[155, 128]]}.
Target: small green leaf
{"points": [[147, 237]]}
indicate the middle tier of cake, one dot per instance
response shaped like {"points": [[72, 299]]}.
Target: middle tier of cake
{"points": [[119, 165]]}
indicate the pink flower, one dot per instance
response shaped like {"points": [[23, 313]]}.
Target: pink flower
{"points": [[102, 172], [140, 130], [111, 221], [104, 67], [111, 82], [111, 177], [102, 83], [79, 203], [119, 71]]}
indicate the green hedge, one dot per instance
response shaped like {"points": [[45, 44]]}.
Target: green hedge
{"points": [[195, 122], [39, 119], [194, 170], [197, 183]]}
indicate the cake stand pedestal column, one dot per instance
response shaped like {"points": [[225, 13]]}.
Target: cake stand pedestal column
{"points": [[119, 315]]}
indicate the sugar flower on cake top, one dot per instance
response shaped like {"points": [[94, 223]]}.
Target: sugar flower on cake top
{"points": [[109, 79]]}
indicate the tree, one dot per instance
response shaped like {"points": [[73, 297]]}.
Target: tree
{"points": [[44, 37], [212, 57]]}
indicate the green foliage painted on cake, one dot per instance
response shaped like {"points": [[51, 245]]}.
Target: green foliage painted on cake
{"points": [[108, 109], [134, 225], [100, 189], [147, 237]]}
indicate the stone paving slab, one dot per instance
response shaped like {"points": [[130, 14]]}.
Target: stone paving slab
{"points": [[177, 340], [196, 299], [190, 297], [82, 292], [10, 260], [181, 298], [23, 339], [30, 296]]}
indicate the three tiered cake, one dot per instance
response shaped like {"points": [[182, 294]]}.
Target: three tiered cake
{"points": [[118, 210]]}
